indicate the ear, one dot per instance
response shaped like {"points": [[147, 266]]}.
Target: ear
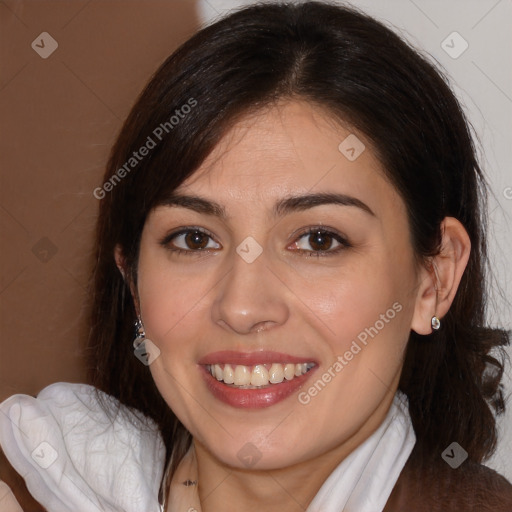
{"points": [[122, 266], [440, 280]]}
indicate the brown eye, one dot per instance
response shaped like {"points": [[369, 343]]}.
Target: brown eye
{"points": [[320, 242], [190, 240], [196, 240]]}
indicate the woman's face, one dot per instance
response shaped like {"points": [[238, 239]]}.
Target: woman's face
{"points": [[297, 258]]}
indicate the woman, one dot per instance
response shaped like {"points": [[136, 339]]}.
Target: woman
{"points": [[359, 379]]}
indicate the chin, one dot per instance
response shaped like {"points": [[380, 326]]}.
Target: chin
{"points": [[252, 451]]}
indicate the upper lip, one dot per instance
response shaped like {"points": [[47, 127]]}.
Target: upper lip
{"points": [[251, 358]]}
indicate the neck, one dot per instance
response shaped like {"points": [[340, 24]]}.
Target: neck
{"points": [[289, 489]]}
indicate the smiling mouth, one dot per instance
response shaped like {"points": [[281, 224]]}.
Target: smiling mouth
{"points": [[258, 376]]}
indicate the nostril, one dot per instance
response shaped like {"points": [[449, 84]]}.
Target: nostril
{"points": [[261, 326]]}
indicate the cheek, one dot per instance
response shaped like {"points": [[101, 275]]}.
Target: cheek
{"points": [[365, 298], [168, 301], [171, 306]]}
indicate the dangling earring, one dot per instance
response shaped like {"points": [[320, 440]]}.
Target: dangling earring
{"points": [[140, 334], [436, 323], [145, 350]]}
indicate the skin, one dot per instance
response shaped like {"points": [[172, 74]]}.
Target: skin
{"points": [[313, 307]]}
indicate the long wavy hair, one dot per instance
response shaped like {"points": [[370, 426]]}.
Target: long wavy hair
{"points": [[364, 74]]}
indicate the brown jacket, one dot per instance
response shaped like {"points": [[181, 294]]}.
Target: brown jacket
{"points": [[435, 487], [439, 488]]}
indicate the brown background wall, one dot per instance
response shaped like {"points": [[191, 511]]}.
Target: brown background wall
{"points": [[59, 117]]}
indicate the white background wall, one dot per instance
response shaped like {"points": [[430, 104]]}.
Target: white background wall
{"points": [[482, 79]]}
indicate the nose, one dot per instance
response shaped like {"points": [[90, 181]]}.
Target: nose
{"points": [[251, 298]]}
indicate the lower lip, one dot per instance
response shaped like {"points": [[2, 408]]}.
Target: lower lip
{"points": [[253, 398]]}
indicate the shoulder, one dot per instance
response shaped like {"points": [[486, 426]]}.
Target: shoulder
{"points": [[434, 486]]}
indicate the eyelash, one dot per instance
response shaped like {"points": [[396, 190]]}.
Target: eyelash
{"points": [[344, 243]]}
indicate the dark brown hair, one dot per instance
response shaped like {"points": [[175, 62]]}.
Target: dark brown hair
{"points": [[365, 75]]}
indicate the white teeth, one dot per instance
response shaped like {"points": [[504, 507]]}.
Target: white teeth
{"points": [[276, 373], [289, 371], [260, 375], [242, 376], [229, 374]]}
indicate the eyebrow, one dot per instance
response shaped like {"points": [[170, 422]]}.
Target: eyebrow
{"points": [[282, 207]]}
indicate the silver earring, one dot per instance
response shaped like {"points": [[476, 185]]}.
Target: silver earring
{"points": [[436, 323], [140, 334]]}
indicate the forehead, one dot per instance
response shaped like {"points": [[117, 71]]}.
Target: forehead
{"points": [[289, 148]]}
